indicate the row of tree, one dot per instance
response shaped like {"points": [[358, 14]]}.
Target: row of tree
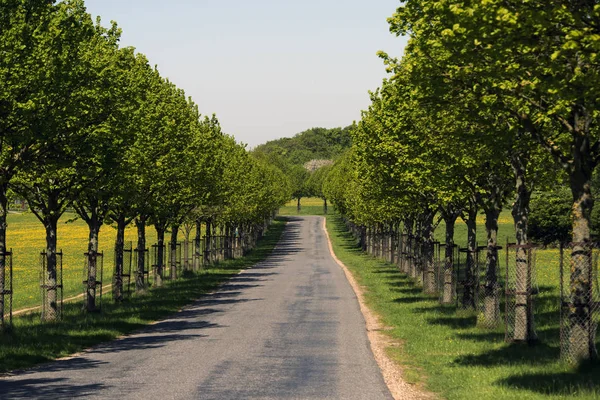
{"points": [[85, 123], [490, 100]]}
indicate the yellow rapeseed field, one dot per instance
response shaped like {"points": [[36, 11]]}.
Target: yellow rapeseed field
{"points": [[27, 237]]}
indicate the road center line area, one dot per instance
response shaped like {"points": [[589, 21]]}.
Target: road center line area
{"points": [[288, 328]]}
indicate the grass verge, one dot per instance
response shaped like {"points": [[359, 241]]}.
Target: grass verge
{"points": [[444, 349], [32, 342]]}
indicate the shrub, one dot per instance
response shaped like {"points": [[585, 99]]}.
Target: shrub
{"points": [[550, 216]]}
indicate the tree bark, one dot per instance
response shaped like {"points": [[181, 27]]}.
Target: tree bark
{"points": [[160, 249], [429, 283], [524, 317], [173, 261], [3, 275], [119, 252], [140, 223], [208, 243], [491, 292], [450, 215], [197, 242], [92, 260], [471, 278], [582, 327], [50, 311]]}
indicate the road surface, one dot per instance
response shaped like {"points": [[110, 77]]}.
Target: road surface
{"points": [[289, 328]]}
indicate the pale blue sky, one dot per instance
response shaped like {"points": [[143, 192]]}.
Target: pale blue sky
{"points": [[267, 68]]}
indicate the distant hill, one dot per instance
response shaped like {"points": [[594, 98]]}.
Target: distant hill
{"points": [[312, 144]]}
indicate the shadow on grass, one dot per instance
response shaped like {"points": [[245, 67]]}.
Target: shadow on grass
{"points": [[33, 341], [409, 300], [513, 354], [454, 322], [582, 380]]}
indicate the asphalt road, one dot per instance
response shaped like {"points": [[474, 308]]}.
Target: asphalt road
{"points": [[289, 328]]}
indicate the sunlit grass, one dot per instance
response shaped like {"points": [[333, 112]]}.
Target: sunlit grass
{"points": [[444, 349]]}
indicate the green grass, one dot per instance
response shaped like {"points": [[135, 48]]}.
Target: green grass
{"points": [[444, 350], [506, 230], [308, 206], [32, 342], [27, 238]]}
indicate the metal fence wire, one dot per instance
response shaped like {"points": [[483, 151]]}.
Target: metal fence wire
{"points": [[520, 290], [467, 276], [580, 301], [127, 267], [51, 287], [6, 288], [490, 287], [446, 273], [154, 260], [146, 272], [174, 259], [93, 274]]}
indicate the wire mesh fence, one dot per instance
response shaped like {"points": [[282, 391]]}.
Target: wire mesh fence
{"points": [[158, 261], [447, 276], [175, 257], [6, 289], [520, 290], [127, 267], [51, 284], [93, 274], [490, 287], [141, 263], [580, 301], [468, 276]]}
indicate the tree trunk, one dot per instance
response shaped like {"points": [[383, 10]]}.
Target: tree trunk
{"points": [[174, 234], [160, 249], [3, 276], [450, 217], [207, 243], [197, 242], [429, 282], [50, 311], [92, 260], [140, 223], [406, 246], [471, 278], [119, 251], [491, 292], [524, 318], [582, 327]]}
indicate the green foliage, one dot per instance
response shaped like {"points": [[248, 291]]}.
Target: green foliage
{"points": [[549, 220], [314, 143]]}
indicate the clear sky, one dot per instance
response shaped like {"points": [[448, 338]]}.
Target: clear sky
{"points": [[267, 68]]}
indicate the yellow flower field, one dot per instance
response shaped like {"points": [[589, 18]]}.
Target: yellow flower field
{"points": [[26, 236]]}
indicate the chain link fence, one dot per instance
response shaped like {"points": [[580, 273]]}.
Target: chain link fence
{"points": [[142, 275], [580, 301], [468, 277], [93, 274], [51, 286], [447, 273], [520, 290], [6, 289]]}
